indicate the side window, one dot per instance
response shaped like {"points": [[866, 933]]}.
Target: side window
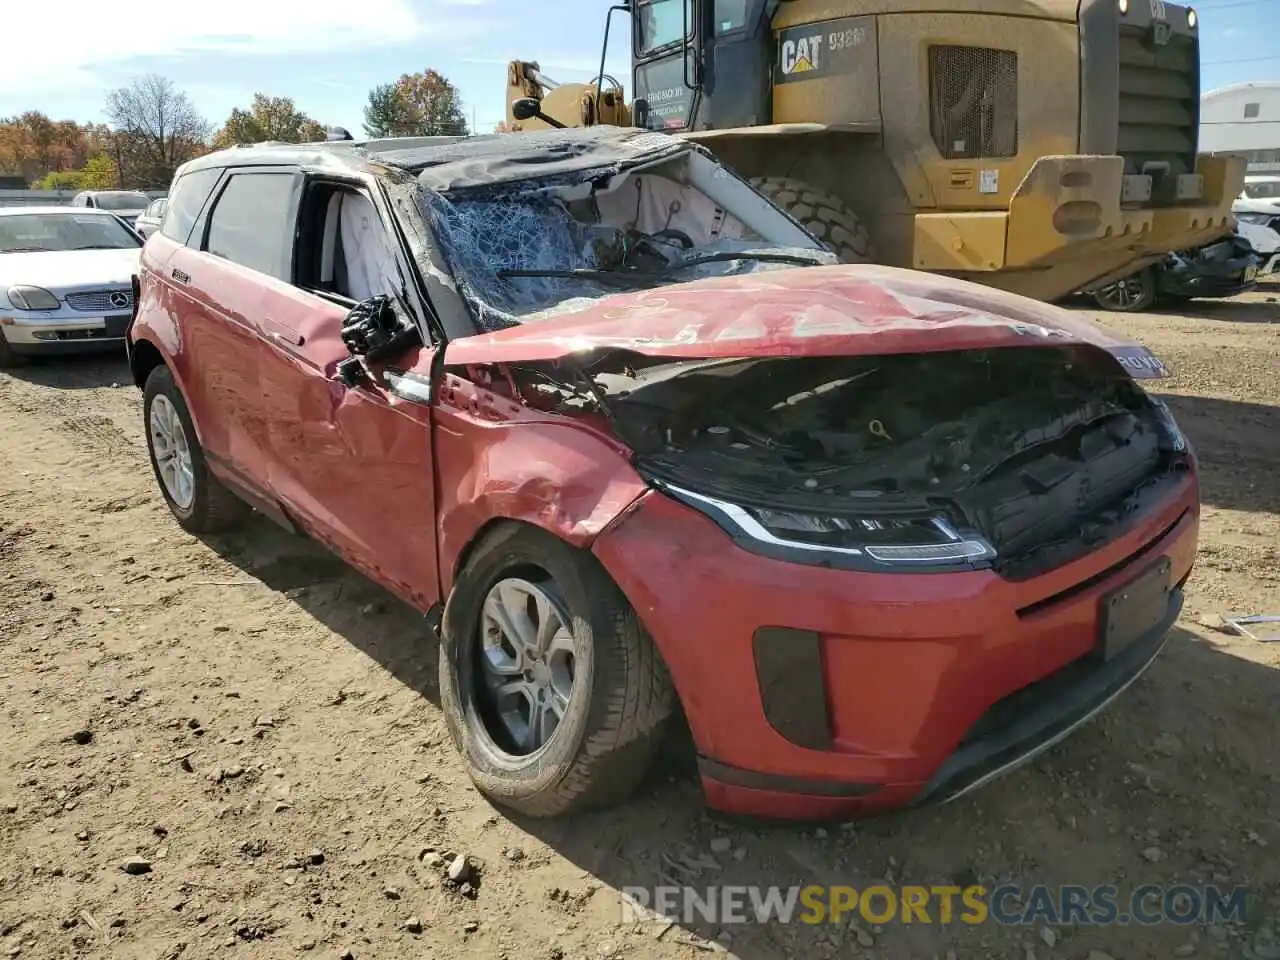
{"points": [[344, 247], [247, 225], [186, 197]]}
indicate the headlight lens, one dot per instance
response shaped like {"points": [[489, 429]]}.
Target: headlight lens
{"points": [[1123, 5], [896, 541], [32, 298], [1170, 433], [1192, 19]]}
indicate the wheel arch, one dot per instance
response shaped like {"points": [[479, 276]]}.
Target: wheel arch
{"points": [[145, 355]]}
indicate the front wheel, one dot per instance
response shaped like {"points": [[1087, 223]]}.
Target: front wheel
{"points": [[552, 691], [1130, 295]]}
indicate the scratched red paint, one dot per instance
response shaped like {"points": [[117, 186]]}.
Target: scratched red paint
{"points": [[816, 311]]}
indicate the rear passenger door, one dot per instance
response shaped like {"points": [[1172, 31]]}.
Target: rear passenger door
{"points": [[244, 241]]}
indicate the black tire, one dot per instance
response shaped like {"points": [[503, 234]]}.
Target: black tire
{"points": [[214, 507], [7, 357], [607, 738], [1131, 295], [824, 214]]}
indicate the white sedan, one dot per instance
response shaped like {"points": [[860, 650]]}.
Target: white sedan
{"points": [[66, 280]]}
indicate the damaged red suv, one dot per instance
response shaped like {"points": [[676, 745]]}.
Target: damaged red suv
{"points": [[641, 449]]}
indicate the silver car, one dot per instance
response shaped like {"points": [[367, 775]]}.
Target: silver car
{"points": [[66, 280], [149, 221], [125, 204]]}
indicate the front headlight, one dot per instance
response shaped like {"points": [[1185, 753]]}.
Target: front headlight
{"points": [[32, 298], [1171, 434], [883, 541]]}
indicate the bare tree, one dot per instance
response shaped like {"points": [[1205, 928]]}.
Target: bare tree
{"points": [[161, 126]]}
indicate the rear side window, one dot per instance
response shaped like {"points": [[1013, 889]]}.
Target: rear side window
{"points": [[186, 197], [247, 225]]}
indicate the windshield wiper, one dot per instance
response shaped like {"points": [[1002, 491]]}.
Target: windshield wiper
{"points": [[791, 258], [582, 273], [27, 250], [631, 275]]}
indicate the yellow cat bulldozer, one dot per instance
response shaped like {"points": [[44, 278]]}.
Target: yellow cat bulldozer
{"points": [[1039, 146]]}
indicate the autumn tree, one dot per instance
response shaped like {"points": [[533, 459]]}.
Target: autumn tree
{"points": [[417, 105], [156, 128], [33, 146], [268, 118]]}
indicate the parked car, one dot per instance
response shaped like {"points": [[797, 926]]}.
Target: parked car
{"points": [[1262, 213], [126, 204], [1224, 268], [66, 278], [1264, 187], [148, 221], [632, 439], [1265, 240]]}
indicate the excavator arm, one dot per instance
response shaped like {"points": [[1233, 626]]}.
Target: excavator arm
{"points": [[571, 104]]}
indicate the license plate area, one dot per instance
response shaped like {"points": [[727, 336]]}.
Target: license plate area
{"points": [[1126, 614]]}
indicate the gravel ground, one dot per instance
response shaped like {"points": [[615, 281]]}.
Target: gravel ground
{"points": [[233, 748]]}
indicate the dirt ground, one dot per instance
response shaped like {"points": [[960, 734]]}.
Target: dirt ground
{"points": [[260, 726]]}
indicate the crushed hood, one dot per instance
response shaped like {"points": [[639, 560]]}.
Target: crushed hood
{"points": [[805, 312]]}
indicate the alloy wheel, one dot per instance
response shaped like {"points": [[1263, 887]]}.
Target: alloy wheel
{"points": [[172, 452], [528, 658]]}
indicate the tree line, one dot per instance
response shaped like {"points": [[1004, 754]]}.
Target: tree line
{"points": [[153, 127]]}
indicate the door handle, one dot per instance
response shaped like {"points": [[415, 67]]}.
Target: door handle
{"points": [[180, 276], [282, 333]]}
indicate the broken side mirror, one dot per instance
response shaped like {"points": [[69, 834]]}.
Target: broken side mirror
{"points": [[375, 331], [530, 108]]}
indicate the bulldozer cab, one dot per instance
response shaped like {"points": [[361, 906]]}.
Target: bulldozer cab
{"points": [[680, 48]]}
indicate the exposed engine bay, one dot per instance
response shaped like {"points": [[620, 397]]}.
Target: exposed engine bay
{"points": [[538, 249], [1024, 446]]}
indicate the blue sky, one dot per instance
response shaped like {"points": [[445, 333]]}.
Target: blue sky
{"points": [[327, 54]]}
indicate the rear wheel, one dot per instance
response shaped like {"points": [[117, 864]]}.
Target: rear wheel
{"points": [[552, 691], [195, 497], [822, 213], [1130, 295]]}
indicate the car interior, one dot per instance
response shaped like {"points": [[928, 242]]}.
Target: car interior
{"points": [[344, 250]]}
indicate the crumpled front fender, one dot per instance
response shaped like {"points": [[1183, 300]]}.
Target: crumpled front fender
{"points": [[498, 459]]}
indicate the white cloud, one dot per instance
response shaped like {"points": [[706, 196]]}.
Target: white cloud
{"points": [[102, 33]]}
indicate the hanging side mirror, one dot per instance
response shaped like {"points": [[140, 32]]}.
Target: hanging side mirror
{"points": [[373, 330]]}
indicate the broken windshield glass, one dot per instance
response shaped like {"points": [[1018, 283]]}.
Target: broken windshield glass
{"points": [[520, 256]]}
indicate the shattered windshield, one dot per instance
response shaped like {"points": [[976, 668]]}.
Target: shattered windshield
{"points": [[529, 251]]}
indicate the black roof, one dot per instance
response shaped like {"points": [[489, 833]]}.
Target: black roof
{"points": [[446, 164]]}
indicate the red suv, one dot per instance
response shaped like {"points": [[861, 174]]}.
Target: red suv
{"points": [[640, 448]]}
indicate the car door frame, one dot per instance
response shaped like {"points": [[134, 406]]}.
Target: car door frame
{"points": [[254, 488], [398, 388]]}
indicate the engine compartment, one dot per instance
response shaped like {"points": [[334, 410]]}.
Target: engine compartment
{"points": [[1026, 446]]}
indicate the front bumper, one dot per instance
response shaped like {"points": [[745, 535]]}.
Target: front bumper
{"points": [[882, 689], [63, 332]]}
